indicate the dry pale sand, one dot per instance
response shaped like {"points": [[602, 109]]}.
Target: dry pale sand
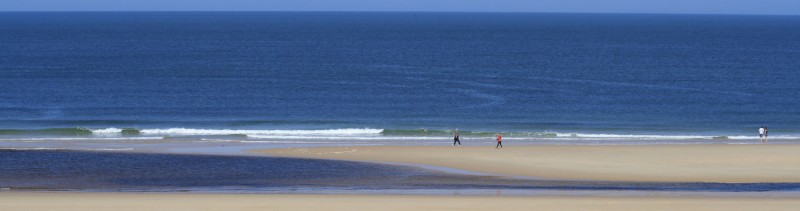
{"points": [[650, 163], [159, 201]]}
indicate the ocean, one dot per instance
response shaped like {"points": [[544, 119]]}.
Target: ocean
{"points": [[397, 77]]}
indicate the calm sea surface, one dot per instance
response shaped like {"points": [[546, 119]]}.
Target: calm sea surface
{"points": [[350, 75]]}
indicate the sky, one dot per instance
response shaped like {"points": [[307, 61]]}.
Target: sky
{"points": [[766, 7]]}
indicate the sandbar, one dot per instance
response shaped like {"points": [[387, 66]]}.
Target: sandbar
{"points": [[721, 163]]}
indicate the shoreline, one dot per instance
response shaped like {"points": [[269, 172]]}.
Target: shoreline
{"points": [[631, 163]]}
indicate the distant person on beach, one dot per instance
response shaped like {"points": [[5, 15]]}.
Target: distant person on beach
{"points": [[456, 139], [499, 141], [761, 134], [766, 135]]}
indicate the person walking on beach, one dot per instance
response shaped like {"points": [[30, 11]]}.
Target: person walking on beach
{"points": [[499, 140], [761, 134], [456, 139], [766, 135]]}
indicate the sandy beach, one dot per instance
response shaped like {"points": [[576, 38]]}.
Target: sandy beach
{"points": [[659, 163], [171, 201], [641, 163]]}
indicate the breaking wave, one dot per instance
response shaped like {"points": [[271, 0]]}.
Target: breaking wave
{"points": [[329, 134]]}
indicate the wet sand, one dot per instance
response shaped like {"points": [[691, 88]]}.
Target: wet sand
{"points": [[633, 163], [32, 201]]}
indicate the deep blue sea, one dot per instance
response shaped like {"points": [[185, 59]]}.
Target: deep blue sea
{"points": [[404, 75]]}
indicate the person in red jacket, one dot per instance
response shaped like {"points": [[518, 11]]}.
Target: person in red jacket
{"points": [[499, 140]]}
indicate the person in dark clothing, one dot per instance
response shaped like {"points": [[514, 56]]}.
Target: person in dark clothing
{"points": [[456, 139]]}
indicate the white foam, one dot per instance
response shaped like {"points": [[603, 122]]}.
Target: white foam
{"points": [[107, 131], [82, 138], [33, 148], [306, 142], [629, 136], [110, 149], [346, 132], [666, 137], [370, 137], [372, 134], [58, 148], [770, 137]]}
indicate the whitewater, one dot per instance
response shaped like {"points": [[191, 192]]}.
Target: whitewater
{"points": [[360, 136]]}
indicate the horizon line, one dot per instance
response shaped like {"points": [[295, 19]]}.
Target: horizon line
{"points": [[408, 11]]}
